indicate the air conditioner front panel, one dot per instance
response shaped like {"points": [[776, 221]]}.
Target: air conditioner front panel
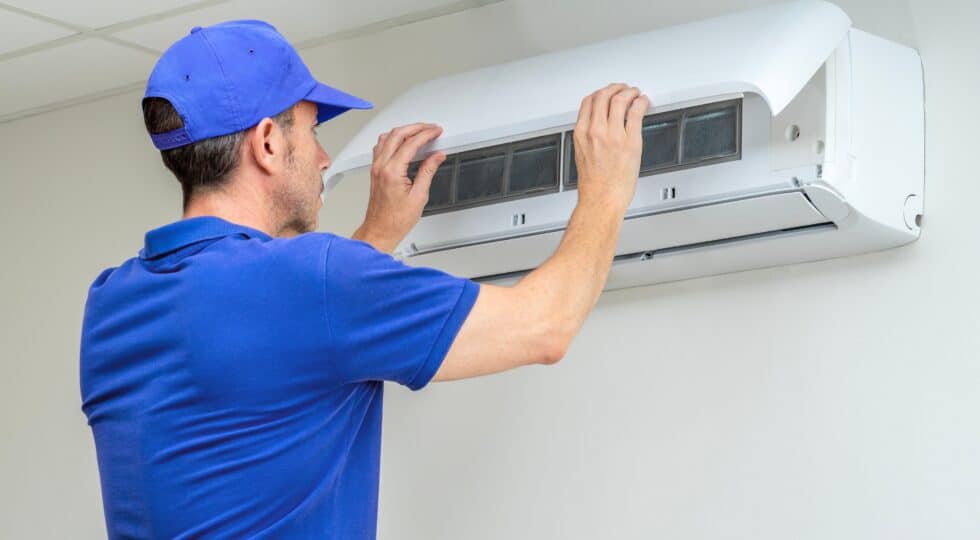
{"points": [[771, 51], [750, 173], [642, 232]]}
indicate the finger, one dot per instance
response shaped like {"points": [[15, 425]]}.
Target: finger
{"points": [[618, 105], [406, 152], [584, 116], [600, 104], [396, 137], [428, 168], [381, 141], [634, 118]]}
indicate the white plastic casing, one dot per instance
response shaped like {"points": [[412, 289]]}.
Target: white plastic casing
{"points": [[850, 182]]}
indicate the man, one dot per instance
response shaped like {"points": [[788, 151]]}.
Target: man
{"points": [[232, 373]]}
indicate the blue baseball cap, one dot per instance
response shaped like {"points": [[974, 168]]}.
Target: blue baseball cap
{"points": [[226, 78]]}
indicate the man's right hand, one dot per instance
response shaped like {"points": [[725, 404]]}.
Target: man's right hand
{"points": [[608, 144]]}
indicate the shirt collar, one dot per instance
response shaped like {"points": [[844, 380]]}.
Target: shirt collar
{"points": [[188, 231]]}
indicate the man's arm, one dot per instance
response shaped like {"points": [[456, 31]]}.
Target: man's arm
{"points": [[534, 321]]}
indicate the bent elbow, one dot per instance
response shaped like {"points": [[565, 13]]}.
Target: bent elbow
{"points": [[554, 350], [552, 357]]}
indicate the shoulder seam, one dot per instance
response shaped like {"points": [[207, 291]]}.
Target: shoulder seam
{"points": [[324, 255]]}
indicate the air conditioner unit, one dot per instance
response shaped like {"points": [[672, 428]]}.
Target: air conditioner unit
{"points": [[775, 136]]}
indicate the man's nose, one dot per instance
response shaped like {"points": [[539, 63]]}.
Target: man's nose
{"points": [[324, 159]]}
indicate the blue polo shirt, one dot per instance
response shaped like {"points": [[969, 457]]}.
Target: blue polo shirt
{"points": [[233, 381]]}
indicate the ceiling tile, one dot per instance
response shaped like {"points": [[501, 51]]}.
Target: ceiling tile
{"points": [[298, 20], [61, 73], [97, 13], [20, 31]]}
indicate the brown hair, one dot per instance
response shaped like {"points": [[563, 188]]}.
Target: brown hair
{"points": [[206, 164]]}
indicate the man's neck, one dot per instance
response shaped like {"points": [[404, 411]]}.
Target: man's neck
{"points": [[219, 205]]}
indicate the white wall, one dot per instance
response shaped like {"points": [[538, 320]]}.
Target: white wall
{"points": [[829, 400]]}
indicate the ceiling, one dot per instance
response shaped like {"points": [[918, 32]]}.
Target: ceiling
{"points": [[58, 53]]}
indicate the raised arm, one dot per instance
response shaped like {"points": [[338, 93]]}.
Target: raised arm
{"points": [[534, 321]]}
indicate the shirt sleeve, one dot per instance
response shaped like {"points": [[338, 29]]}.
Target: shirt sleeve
{"points": [[387, 320]]}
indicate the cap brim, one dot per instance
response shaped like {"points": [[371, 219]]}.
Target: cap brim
{"points": [[332, 102]]}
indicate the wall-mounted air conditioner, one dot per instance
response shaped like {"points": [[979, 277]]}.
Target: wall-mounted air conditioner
{"points": [[776, 136]]}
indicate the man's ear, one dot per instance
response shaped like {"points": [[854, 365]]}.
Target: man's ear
{"points": [[267, 145]]}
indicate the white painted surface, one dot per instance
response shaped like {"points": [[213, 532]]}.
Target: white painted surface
{"points": [[299, 20], [829, 400], [91, 65], [20, 31], [98, 13]]}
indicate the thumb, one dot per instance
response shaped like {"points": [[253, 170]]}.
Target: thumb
{"points": [[428, 168]]}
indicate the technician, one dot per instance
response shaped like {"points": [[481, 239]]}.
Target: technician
{"points": [[232, 372]]}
